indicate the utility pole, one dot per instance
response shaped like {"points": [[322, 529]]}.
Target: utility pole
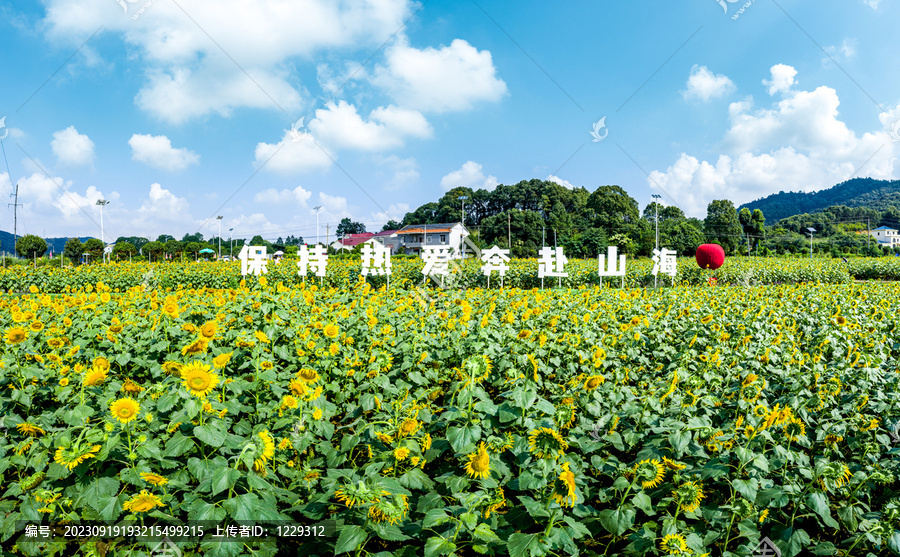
{"points": [[316, 209], [15, 205], [102, 203], [327, 235], [219, 218], [509, 231], [231, 239], [656, 197], [462, 245]]}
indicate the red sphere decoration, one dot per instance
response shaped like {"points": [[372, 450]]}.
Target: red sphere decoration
{"points": [[710, 256]]}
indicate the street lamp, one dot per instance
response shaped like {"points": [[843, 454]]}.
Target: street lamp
{"points": [[462, 246], [811, 232], [219, 218], [231, 239], [316, 209], [102, 203], [656, 197]]}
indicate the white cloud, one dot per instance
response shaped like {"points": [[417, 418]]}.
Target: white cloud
{"points": [[872, 3], [293, 154], [798, 144], [560, 181], [334, 207], [272, 196], [705, 85], [157, 151], [404, 171], [183, 94], [71, 147], [845, 51], [339, 126], [188, 76], [469, 175], [442, 79], [333, 81], [782, 79], [395, 211]]}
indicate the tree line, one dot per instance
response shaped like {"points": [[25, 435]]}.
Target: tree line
{"points": [[534, 213]]}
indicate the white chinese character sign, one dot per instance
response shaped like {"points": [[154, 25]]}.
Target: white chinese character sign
{"points": [[495, 259], [437, 261], [376, 260], [607, 266], [253, 260], [552, 264], [315, 257], [664, 262]]}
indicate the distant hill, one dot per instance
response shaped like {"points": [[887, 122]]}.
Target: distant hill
{"points": [[859, 192], [8, 244]]}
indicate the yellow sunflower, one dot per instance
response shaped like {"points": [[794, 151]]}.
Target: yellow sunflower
{"points": [[198, 379], [265, 450], [479, 465], [409, 426], [142, 502], [154, 479], [30, 429], [131, 387], [208, 330], [125, 410], [73, 456], [100, 363], [650, 472], [94, 378], [546, 443], [593, 382], [331, 330], [16, 335], [220, 361], [688, 496], [564, 488], [674, 544]]}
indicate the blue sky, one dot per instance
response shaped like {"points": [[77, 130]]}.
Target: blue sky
{"points": [[191, 109]]}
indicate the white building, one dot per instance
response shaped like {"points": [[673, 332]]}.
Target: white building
{"points": [[886, 236], [416, 236]]}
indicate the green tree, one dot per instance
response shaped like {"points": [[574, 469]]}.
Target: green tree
{"points": [[752, 224], [73, 250], [174, 247], [198, 237], [525, 227], [258, 241], [153, 250], [347, 226], [94, 247], [193, 248], [722, 225], [560, 220], [612, 209], [391, 225], [681, 236], [31, 246], [124, 249]]}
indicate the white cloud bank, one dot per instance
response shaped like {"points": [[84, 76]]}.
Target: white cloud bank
{"points": [[798, 144]]}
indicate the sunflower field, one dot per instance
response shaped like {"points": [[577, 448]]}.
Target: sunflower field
{"points": [[685, 420], [342, 272]]}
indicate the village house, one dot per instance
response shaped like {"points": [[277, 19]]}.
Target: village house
{"points": [[414, 237], [886, 236]]}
